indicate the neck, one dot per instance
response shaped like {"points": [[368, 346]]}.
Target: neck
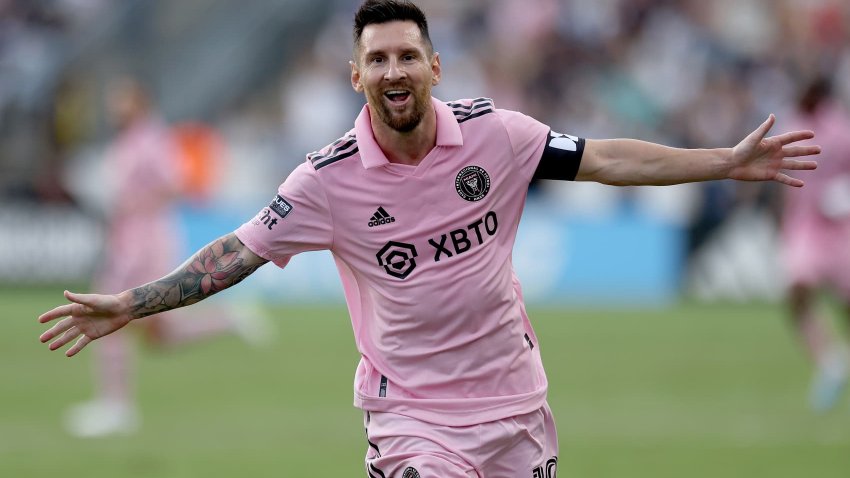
{"points": [[409, 147]]}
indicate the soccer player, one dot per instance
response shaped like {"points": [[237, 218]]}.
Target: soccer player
{"points": [[815, 238], [143, 242], [419, 204]]}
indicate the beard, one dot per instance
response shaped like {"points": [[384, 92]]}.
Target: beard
{"points": [[405, 121]]}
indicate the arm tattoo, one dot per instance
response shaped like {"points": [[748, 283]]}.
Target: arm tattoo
{"points": [[219, 265]]}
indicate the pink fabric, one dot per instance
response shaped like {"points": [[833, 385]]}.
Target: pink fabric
{"points": [[446, 325], [816, 244], [526, 445], [143, 240]]}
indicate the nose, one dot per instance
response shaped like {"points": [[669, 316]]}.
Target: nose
{"points": [[395, 70]]}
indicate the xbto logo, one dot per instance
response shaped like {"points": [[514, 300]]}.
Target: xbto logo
{"points": [[398, 258], [460, 238]]}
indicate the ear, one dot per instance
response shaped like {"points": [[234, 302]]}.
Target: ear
{"points": [[355, 77], [436, 69]]}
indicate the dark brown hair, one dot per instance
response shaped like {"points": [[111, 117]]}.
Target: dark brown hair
{"points": [[383, 11]]}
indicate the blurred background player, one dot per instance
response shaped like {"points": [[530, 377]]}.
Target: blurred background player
{"points": [[143, 241], [816, 241]]}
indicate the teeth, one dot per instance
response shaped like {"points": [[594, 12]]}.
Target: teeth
{"points": [[396, 92]]}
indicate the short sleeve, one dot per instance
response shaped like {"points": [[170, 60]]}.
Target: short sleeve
{"points": [[297, 219], [540, 152]]}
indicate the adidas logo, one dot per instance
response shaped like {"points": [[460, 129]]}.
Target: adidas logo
{"points": [[380, 218]]}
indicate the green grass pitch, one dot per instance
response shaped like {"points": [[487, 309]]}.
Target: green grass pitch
{"points": [[695, 391]]}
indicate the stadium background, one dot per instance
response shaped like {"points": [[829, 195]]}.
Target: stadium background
{"points": [[658, 308]]}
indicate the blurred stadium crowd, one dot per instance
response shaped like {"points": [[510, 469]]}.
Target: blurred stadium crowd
{"points": [[271, 78]]}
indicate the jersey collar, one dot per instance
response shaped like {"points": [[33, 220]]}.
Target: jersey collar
{"points": [[448, 134]]}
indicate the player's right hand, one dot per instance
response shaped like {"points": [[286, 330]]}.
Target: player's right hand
{"points": [[88, 316]]}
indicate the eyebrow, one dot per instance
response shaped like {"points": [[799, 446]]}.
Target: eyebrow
{"points": [[403, 51]]}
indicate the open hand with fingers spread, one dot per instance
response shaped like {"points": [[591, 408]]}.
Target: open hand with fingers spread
{"points": [[757, 158], [88, 316]]}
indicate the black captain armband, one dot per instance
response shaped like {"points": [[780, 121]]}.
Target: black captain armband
{"points": [[561, 157]]}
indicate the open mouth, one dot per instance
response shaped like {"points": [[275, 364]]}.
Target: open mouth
{"points": [[397, 96]]}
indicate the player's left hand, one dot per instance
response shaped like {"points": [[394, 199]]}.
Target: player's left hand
{"points": [[757, 158]]}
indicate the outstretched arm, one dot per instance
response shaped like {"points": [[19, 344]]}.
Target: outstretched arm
{"points": [[219, 265], [625, 162]]}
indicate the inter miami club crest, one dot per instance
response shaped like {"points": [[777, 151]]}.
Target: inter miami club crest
{"points": [[472, 183], [410, 472]]}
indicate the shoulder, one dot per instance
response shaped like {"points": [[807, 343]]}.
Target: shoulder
{"points": [[467, 109], [343, 148]]}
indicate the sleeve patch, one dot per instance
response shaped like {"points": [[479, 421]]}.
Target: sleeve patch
{"points": [[561, 157], [281, 206]]}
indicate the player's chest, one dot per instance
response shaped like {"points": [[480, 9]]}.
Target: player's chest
{"points": [[451, 211]]}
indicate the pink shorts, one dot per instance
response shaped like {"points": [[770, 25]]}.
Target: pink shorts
{"points": [[403, 447], [817, 254]]}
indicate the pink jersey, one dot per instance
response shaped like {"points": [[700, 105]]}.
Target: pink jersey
{"points": [[424, 253], [816, 218], [145, 173]]}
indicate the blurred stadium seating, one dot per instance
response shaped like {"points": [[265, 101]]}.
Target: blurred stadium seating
{"points": [[271, 76]]}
